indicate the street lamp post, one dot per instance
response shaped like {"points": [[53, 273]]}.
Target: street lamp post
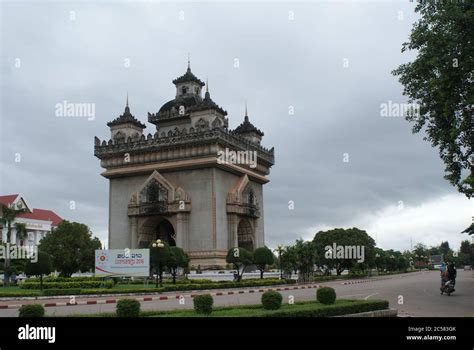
{"points": [[279, 249], [159, 245]]}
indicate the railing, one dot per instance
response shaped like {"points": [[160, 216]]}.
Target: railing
{"points": [[153, 208], [251, 210]]}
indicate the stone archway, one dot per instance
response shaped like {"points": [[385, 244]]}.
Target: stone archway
{"points": [[156, 227], [166, 233], [245, 236]]}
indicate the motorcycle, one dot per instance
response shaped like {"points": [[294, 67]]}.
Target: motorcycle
{"points": [[448, 288]]}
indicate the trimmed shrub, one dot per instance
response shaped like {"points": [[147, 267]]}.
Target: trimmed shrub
{"points": [[334, 309], [32, 310], [326, 295], [128, 308], [271, 300], [55, 291], [67, 285], [203, 304], [65, 279]]}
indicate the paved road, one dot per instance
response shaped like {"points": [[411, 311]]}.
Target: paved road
{"points": [[414, 294]]}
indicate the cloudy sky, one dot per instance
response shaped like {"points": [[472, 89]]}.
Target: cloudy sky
{"points": [[329, 61]]}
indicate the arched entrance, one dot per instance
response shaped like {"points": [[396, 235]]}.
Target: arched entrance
{"points": [[154, 228], [245, 235], [165, 232]]}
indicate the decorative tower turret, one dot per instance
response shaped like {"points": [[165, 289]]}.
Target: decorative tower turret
{"points": [[248, 131], [126, 126]]}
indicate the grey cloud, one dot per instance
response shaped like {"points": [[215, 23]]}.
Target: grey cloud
{"points": [[282, 63]]}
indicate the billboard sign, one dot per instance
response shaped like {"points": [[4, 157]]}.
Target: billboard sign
{"points": [[122, 262]]}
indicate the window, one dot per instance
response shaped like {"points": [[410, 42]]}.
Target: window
{"points": [[154, 192], [251, 197]]}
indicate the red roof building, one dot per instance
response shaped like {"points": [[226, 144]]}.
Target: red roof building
{"points": [[39, 222]]}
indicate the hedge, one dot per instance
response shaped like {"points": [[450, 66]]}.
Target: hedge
{"points": [[88, 288], [67, 285], [165, 281], [128, 308], [203, 304], [65, 279], [32, 310], [326, 295], [55, 291], [271, 300], [334, 309]]}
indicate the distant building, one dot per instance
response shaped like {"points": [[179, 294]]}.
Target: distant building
{"points": [[39, 222], [436, 260]]}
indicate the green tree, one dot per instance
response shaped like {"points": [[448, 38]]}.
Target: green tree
{"points": [[9, 215], [240, 258], [465, 253], [420, 253], [160, 255], [306, 258], [434, 251], [444, 248], [71, 248], [324, 241], [21, 232], [39, 268], [469, 230], [262, 257], [440, 80], [380, 259], [289, 261], [177, 259]]}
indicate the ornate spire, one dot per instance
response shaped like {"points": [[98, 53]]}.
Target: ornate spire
{"points": [[127, 108], [247, 126], [189, 62], [188, 76], [207, 95], [126, 118]]}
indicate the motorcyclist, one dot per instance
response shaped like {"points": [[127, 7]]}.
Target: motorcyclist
{"points": [[451, 273], [444, 277]]}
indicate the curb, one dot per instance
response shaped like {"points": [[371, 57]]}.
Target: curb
{"points": [[365, 281], [162, 297], [376, 313]]}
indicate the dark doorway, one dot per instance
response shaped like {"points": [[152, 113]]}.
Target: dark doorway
{"points": [[165, 232], [245, 235]]}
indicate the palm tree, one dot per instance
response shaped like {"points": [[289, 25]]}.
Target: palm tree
{"points": [[21, 232], [8, 217]]}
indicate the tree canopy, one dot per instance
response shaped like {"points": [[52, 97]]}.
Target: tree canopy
{"points": [[440, 80], [39, 268], [71, 248], [241, 258], [344, 238], [262, 257], [177, 259]]}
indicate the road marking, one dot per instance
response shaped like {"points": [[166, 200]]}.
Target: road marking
{"points": [[368, 296]]}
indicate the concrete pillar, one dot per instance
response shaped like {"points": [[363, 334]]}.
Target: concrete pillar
{"points": [[134, 232], [182, 227], [232, 222]]}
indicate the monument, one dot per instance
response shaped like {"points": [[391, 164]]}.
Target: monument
{"points": [[193, 183]]}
